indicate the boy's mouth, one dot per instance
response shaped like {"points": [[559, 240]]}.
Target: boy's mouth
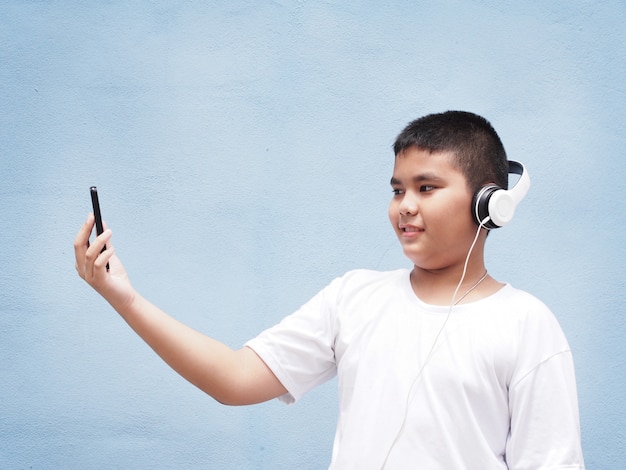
{"points": [[410, 228]]}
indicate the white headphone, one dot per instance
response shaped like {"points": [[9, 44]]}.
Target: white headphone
{"points": [[497, 205]]}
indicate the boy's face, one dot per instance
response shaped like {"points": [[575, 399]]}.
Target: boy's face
{"points": [[430, 210]]}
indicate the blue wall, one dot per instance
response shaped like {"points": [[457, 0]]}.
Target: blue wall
{"points": [[242, 152]]}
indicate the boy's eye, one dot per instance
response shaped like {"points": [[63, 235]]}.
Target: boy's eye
{"points": [[426, 188], [397, 192]]}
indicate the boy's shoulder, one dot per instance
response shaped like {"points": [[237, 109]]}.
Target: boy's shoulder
{"points": [[516, 296], [528, 312], [363, 274], [368, 283], [360, 278], [520, 300]]}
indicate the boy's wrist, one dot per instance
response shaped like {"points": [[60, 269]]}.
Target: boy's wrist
{"points": [[126, 305]]}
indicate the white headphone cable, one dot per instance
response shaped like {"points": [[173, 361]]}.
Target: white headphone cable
{"points": [[453, 302]]}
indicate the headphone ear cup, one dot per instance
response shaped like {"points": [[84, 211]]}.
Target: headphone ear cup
{"points": [[495, 205], [480, 206]]}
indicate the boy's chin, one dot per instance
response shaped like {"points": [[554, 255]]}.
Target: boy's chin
{"points": [[422, 265], [415, 260]]}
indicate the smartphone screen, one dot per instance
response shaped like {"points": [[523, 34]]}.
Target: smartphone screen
{"points": [[97, 214], [96, 209]]}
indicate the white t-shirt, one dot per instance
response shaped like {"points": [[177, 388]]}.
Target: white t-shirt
{"points": [[497, 390]]}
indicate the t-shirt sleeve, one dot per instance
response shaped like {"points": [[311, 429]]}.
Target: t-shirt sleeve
{"points": [[299, 350], [543, 403]]}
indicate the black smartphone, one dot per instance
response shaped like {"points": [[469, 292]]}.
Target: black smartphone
{"points": [[97, 214]]}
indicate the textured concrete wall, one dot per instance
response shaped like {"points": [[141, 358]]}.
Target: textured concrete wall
{"points": [[242, 151]]}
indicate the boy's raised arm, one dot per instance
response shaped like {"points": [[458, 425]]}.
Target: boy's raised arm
{"points": [[231, 377]]}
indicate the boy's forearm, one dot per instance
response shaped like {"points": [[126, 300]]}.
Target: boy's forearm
{"points": [[208, 364]]}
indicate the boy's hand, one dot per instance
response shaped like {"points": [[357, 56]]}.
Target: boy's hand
{"points": [[113, 284]]}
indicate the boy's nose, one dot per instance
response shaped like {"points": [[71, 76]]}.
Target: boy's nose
{"points": [[408, 206]]}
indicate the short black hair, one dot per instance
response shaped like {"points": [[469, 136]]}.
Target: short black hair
{"points": [[477, 150]]}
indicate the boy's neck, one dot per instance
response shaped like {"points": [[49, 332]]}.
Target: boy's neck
{"points": [[436, 287]]}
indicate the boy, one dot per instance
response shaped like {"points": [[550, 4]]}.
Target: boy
{"points": [[439, 367]]}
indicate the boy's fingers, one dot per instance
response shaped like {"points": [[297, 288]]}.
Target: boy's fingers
{"points": [[103, 259], [94, 249], [81, 242], [88, 261], [82, 237]]}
